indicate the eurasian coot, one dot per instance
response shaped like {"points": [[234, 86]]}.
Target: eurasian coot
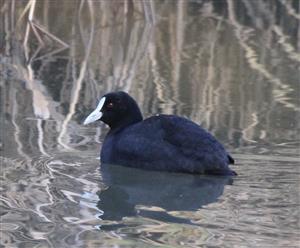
{"points": [[161, 142]]}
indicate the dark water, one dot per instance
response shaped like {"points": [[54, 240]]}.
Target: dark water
{"points": [[232, 66]]}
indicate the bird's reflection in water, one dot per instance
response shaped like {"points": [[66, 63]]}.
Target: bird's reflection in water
{"points": [[129, 187]]}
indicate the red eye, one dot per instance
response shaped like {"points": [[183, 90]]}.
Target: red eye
{"points": [[110, 105]]}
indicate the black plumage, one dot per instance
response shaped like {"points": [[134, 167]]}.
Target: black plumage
{"points": [[162, 142]]}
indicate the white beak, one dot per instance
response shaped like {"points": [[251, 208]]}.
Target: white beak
{"points": [[96, 114]]}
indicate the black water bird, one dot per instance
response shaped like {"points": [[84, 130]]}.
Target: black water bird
{"points": [[162, 142]]}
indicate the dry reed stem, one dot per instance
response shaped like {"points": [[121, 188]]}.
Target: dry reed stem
{"points": [[30, 18], [41, 28], [78, 83], [23, 13]]}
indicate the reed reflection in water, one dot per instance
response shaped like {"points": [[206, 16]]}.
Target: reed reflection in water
{"points": [[232, 66]]}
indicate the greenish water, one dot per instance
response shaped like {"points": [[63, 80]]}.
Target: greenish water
{"points": [[232, 66]]}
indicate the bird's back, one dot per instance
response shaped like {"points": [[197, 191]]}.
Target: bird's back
{"points": [[166, 142]]}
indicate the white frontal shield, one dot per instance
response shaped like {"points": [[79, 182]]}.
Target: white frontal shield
{"points": [[96, 114]]}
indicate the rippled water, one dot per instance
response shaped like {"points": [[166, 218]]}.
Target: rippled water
{"points": [[232, 66]]}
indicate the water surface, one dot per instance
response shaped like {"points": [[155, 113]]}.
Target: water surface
{"points": [[231, 66]]}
